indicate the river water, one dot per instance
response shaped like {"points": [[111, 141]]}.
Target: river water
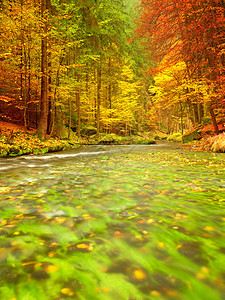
{"points": [[87, 152], [113, 222]]}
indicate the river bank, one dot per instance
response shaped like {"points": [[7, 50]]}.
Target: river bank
{"points": [[14, 141]]}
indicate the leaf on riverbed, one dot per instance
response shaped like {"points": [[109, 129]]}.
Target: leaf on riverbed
{"points": [[67, 291], [3, 222], [138, 275], [209, 228], [51, 269], [81, 247]]}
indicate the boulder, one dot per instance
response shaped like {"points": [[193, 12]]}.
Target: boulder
{"points": [[193, 134]]}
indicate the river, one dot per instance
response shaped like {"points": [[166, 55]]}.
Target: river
{"points": [[113, 222]]}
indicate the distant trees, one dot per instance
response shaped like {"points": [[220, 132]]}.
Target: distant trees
{"points": [[68, 65], [75, 65], [193, 33]]}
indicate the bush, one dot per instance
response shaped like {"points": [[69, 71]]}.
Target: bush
{"points": [[215, 143]]}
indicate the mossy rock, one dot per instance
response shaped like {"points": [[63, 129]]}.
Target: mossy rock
{"points": [[89, 130], [192, 135]]}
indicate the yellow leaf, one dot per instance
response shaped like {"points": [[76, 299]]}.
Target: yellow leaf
{"points": [[16, 233], [52, 269], [200, 276], [86, 216], [161, 245], [209, 228], [67, 291], [205, 270], [139, 274], [4, 222], [149, 221], [14, 243], [60, 220], [82, 246], [155, 293], [52, 254]]}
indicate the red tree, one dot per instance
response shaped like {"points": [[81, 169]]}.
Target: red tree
{"points": [[191, 31]]}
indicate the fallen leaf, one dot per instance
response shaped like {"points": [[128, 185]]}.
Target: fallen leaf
{"points": [[67, 291], [209, 228], [52, 269], [4, 222], [155, 293], [139, 274]]}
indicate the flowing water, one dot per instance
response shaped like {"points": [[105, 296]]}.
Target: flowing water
{"points": [[113, 222]]}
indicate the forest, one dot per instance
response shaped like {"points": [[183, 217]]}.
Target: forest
{"points": [[128, 96], [75, 68]]}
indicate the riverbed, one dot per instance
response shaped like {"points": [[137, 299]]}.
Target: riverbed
{"points": [[113, 222]]}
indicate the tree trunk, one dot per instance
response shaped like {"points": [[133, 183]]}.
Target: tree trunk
{"points": [[43, 117], [70, 117], [216, 129], [49, 127], [99, 83], [181, 118], [78, 112]]}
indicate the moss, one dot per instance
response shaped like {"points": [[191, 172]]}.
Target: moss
{"points": [[192, 135], [30, 144]]}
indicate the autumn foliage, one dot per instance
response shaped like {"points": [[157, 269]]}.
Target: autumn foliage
{"points": [[192, 33]]}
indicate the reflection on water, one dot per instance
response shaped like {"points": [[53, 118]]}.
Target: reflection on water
{"points": [[134, 225]]}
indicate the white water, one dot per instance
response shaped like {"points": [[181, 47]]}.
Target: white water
{"points": [[46, 160]]}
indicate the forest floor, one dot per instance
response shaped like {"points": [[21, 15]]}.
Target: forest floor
{"points": [[14, 141]]}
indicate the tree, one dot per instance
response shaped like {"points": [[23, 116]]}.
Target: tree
{"points": [[192, 32], [43, 115]]}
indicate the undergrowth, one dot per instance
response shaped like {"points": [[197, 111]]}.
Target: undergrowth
{"points": [[215, 143]]}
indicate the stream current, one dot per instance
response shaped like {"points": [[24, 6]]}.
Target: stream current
{"points": [[113, 222], [88, 152]]}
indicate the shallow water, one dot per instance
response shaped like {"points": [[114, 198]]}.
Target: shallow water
{"points": [[87, 152], [113, 222]]}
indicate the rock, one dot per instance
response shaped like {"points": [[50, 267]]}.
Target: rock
{"points": [[193, 134]]}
